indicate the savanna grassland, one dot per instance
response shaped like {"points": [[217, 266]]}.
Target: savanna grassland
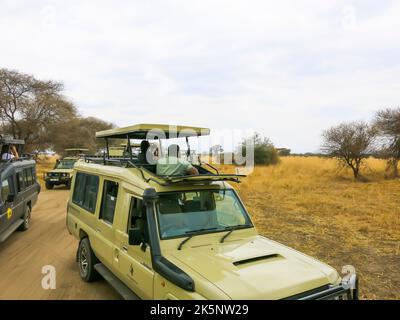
{"points": [[313, 206]]}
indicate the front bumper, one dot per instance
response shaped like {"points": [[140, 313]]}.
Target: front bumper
{"points": [[57, 179], [346, 290]]}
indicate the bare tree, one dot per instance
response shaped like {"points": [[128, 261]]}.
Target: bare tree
{"points": [[388, 123], [350, 143]]}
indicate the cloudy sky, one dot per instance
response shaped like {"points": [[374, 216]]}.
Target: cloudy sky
{"points": [[287, 69]]}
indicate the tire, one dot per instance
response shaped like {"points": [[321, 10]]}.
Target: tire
{"points": [[86, 261], [68, 185], [49, 185], [27, 220]]}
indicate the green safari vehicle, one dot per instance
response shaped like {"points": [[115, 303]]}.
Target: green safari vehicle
{"points": [[63, 169]]}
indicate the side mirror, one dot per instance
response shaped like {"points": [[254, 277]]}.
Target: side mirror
{"points": [[135, 236], [10, 198]]}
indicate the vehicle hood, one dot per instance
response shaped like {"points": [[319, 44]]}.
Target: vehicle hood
{"points": [[256, 268]]}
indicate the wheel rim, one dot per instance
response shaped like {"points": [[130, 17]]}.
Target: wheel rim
{"points": [[27, 218], [84, 261]]}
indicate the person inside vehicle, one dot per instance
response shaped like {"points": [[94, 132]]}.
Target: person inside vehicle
{"points": [[172, 165], [9, 152], [142, 157]]}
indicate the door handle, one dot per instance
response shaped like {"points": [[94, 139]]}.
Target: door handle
{"points": [[125, 248], [98, 230]]}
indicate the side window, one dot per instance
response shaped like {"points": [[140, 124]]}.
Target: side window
{"points": [[136, 212], [28, 177], [6, 188], [109, 200], [33, 175], [20, 181], [137, 217], [85, 191], [91, 189], [79, 189]]}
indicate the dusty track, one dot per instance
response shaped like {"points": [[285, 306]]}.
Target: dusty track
{"points": [[47, 242]]}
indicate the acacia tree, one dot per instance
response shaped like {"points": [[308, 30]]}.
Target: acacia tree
{"points": [[29, 106], [350, 143], [388, 123], [78, 132], [16, 91], [36, 111]]}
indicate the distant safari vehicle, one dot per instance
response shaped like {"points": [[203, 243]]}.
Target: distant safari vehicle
{"points": [[174, 237], [62, 172], [19, 188]]}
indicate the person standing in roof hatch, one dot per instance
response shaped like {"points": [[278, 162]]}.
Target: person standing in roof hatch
{"points": [[9, 152], [172, 165]]}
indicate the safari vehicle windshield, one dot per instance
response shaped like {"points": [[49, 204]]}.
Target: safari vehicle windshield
{"points": [[183, 213], [63, 164]]}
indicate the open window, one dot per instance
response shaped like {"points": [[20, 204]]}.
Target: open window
{"points": [[138, 220]]}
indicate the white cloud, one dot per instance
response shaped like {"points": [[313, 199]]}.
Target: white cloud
{"points": [[287, 69]]}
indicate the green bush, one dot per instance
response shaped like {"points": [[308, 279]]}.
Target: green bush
{"points": [[264, 151], [265, 154]]}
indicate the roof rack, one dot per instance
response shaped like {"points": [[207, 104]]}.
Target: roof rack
{"points": [[167, 180], [159, 131]]}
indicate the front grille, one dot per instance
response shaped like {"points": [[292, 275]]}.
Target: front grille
{"points": [[53, 174], [307, 293]]}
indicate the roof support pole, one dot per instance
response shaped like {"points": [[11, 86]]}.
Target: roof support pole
{"points": [[129, 148], [188, 146], [107, 151]]}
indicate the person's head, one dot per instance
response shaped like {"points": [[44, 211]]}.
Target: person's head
{"points": [[173, 150], [144, 146]]}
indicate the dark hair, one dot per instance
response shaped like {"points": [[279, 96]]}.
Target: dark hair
{"points": [[144, 145], [173, 150]]}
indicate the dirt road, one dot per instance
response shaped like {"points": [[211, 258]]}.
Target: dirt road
{"points": [[47, 242]]}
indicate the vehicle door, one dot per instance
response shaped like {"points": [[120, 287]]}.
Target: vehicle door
{"points": [[105, 222], [7, 214], [85, 203], [21, 193], [134, 263]]}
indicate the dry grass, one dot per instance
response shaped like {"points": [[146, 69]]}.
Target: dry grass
{"points": [[310, 205]]}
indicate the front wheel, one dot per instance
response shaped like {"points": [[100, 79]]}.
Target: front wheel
{"points": [[49, 185], [68, 184], [86, 261]]}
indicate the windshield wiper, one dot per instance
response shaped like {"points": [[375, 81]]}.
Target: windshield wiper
{"points": [[231, 229], [193, 233]]}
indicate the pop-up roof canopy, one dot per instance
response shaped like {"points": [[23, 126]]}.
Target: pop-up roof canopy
{"points": [[10, 140], [140, 131], [76, 149]]}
